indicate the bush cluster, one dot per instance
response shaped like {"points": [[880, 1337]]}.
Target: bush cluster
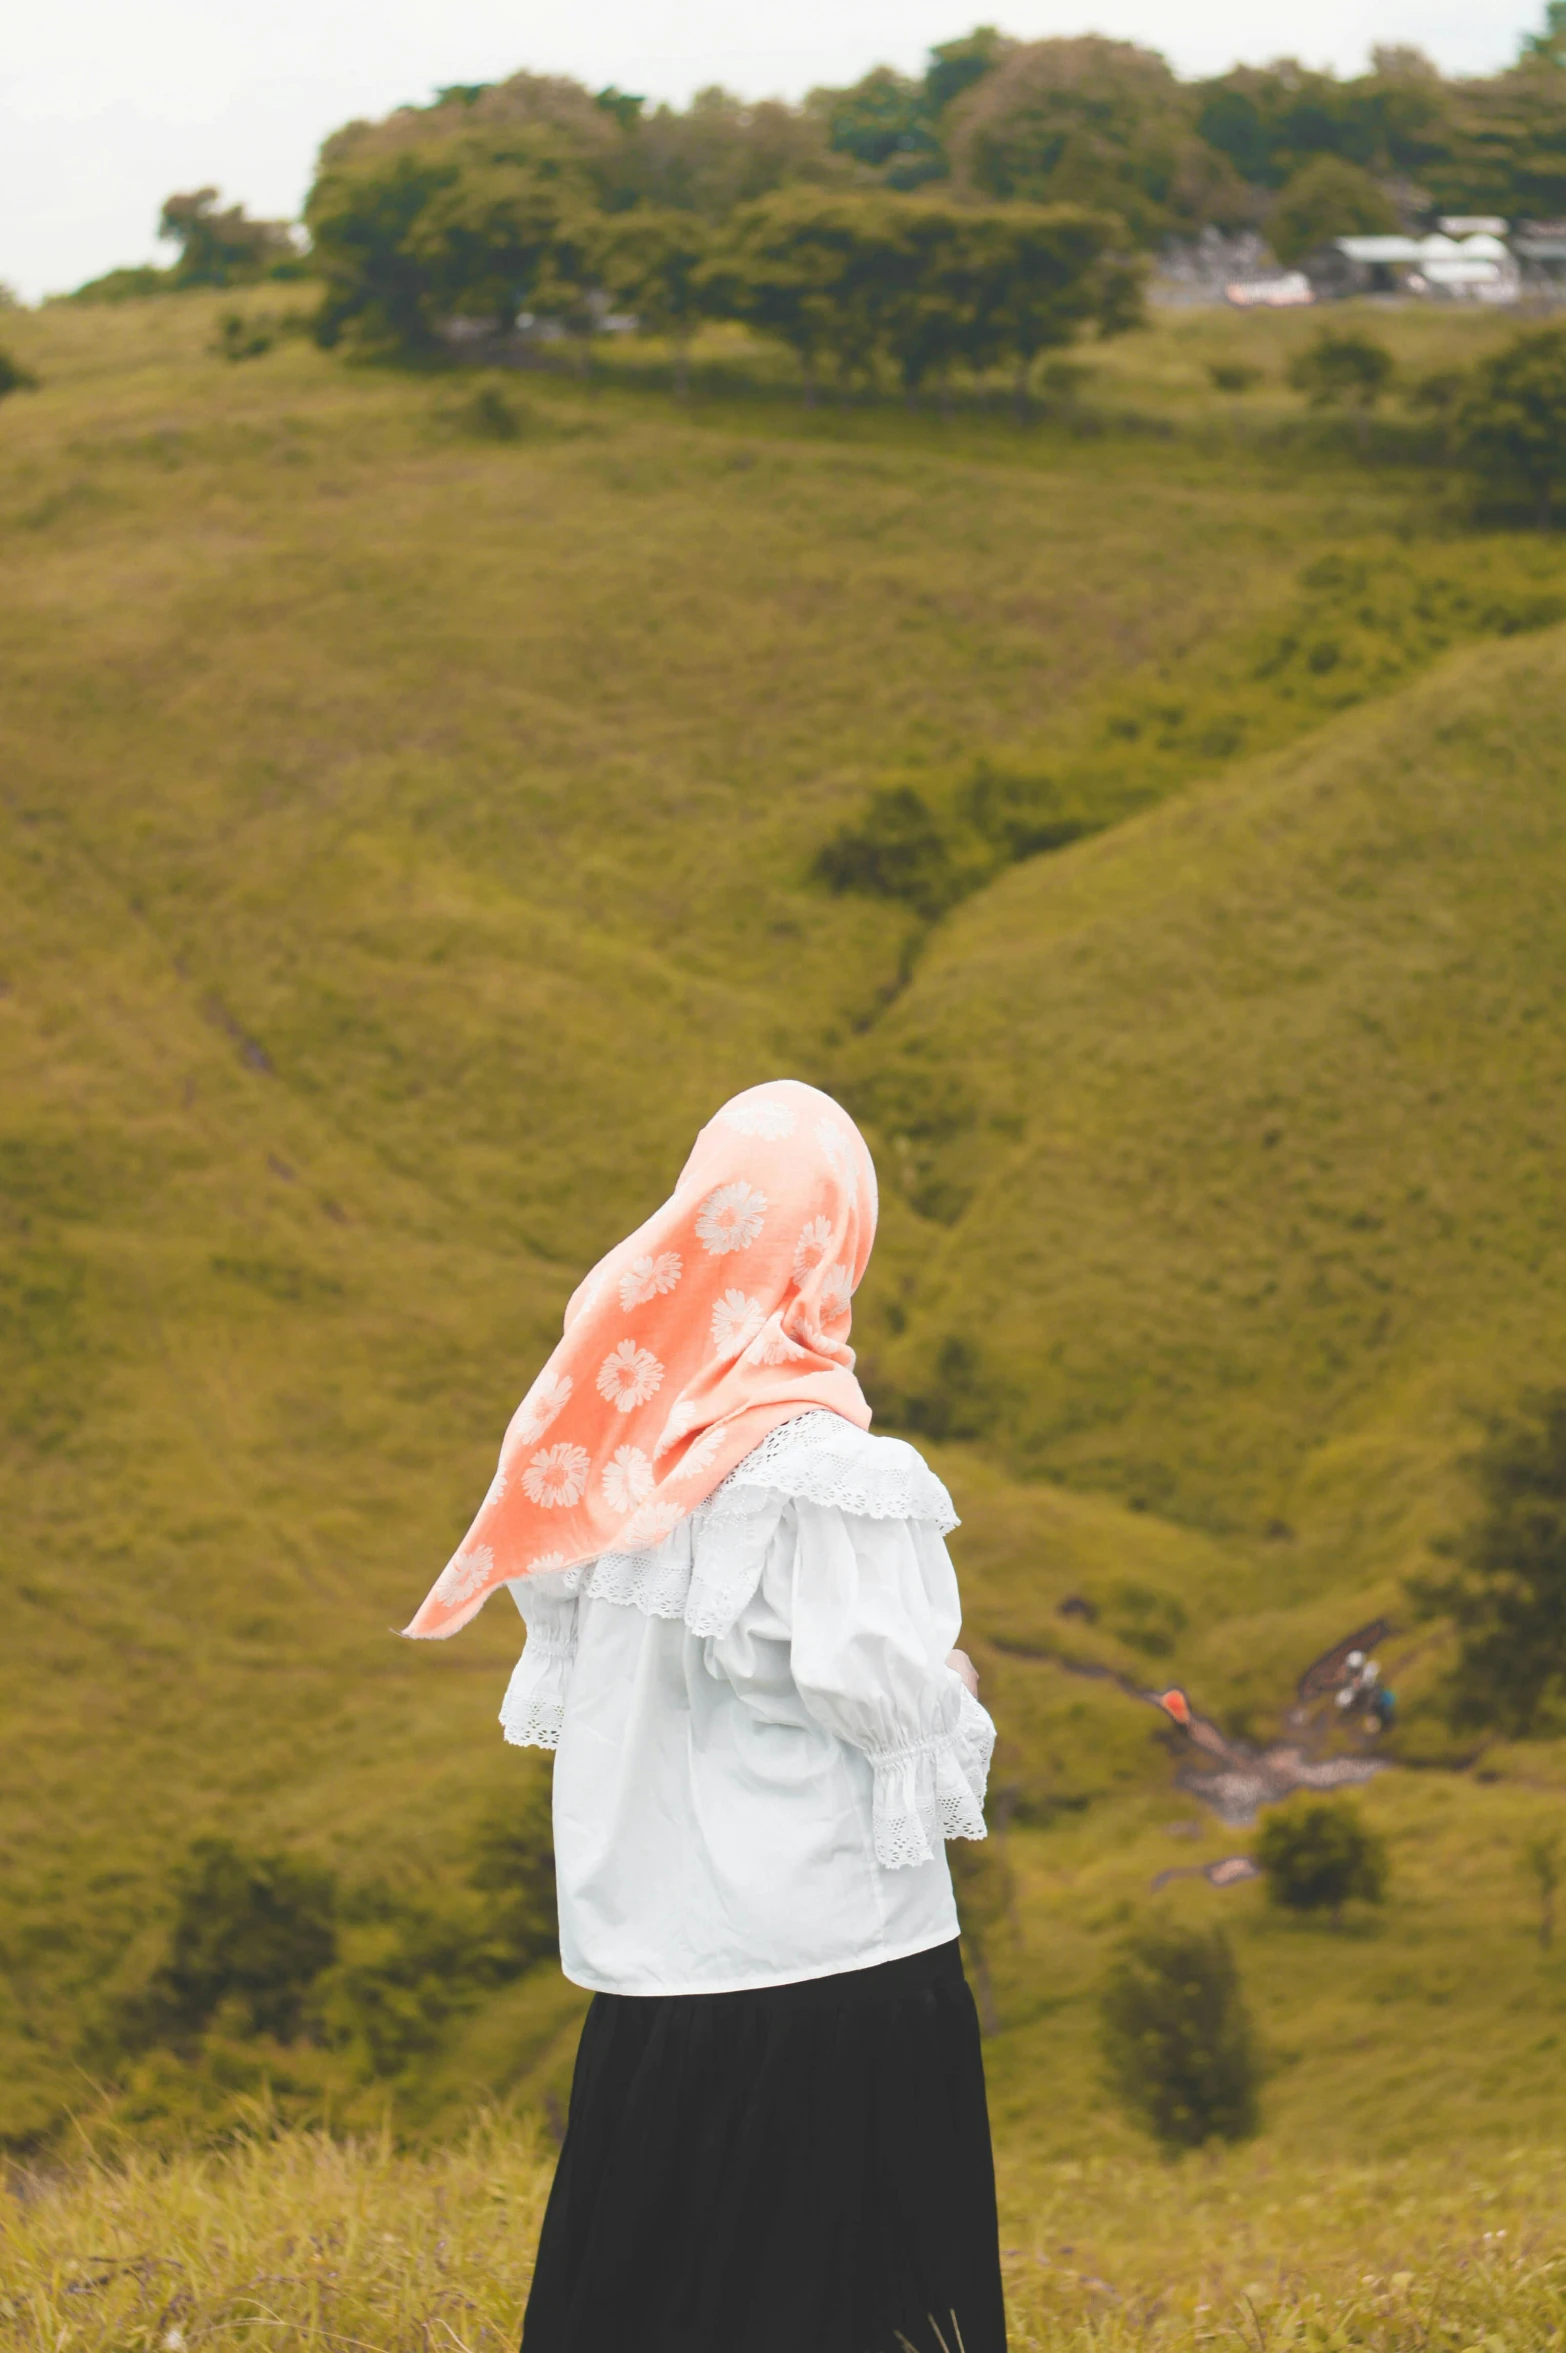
{"points": [[1355, 628], [1176, 2039], [266, 1944]]}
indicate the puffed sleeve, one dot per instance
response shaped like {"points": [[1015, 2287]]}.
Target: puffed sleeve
{"points": [[532, 1714], [874, 1612]]}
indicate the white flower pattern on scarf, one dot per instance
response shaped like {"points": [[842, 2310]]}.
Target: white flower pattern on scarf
{"points": [[627, 1480], [543, 1404], [735, 1321], [840, 1153], [464, 1573], [812, 1247], [731, 1218], [773, 1346], [628, 1376], [648, 1527], [648, 1278], [759, 1115], [684, 1417], [700, 1456], [837, 1294], [557, 1476]]}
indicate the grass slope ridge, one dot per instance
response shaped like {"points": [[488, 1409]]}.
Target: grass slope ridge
{"points": [[1257, 1108]]}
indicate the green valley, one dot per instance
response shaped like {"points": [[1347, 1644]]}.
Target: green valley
{"points": [[408, 835]]}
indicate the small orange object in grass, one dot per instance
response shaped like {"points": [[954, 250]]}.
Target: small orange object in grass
{"points": [[1175, 1703]]}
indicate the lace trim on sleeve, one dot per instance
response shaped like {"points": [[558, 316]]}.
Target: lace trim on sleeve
{"points": [[822, 1459], [532, 1714], [933, 1790]]}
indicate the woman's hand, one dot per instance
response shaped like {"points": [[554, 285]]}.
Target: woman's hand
{"points": [[964, 1669]]}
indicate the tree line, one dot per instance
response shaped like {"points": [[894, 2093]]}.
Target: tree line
{"points": [[1085, 120], [496, 226], [1103, 125]]}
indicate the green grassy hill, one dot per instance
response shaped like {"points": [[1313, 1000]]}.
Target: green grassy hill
{"points": [[406, 837]]}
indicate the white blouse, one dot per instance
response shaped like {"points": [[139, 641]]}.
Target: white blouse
{"points": [[760, 1745]]}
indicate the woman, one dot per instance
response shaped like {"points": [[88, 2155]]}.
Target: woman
{"points": [[740, 1613]]}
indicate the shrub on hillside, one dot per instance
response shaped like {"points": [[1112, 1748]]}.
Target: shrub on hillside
{"points": [[1319, 1854], [1509, 427], [514, 1865], [1176, 2037], [266, 1944], [14, 377], [223, 247], [250, 1931], [132, 282], [1344, 370], [1506, 1594]]}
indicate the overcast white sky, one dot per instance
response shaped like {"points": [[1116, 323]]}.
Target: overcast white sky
{"points": [[108, 105]]}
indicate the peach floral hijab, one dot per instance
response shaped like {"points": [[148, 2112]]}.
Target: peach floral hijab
{"points": [[725, 1314]]}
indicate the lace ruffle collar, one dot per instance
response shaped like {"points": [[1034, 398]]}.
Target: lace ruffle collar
{"points": [[820, 1458], [708, 1566]]}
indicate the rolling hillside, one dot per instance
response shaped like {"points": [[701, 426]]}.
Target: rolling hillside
{"points": [[406, 838]]}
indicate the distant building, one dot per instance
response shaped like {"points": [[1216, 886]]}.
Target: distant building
{"points": [[1476, 267], [1540, 247]]}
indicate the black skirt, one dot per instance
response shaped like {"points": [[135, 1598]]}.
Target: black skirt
{"points": [[803, 2169]]}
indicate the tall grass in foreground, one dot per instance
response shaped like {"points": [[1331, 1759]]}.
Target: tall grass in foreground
{"points": [[304, 2242]]}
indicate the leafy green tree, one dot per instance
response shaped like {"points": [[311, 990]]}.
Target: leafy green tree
{"points": [[1509, 426], [1328, 198], [884, 121], [653, 260], [254, 1931], [1506, 1593], [722, 152], [14, 377], [1548, 47], [482, 226], [1271, 121], [221, 248], [955, 66], [800, 266], [1317, 1854], [506, 232], [361, 214], [925, 296], [1504, 145], [1343, 369], [1041, 274], [527, 110], [1088, 121], [1176, 2038]]}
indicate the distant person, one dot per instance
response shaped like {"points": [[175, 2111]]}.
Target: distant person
{"points": [[740, 1614]]}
